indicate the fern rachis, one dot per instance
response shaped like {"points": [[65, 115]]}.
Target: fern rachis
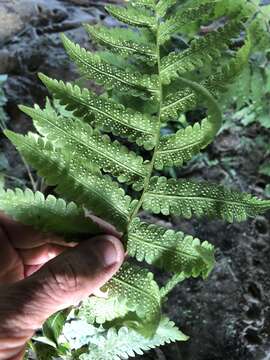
{"points": [[99, 173]]}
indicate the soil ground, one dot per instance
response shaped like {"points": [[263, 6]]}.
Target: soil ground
{"points": [[227, 317]]}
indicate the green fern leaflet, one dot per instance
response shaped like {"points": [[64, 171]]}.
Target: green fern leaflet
{"points": [[107, 155]]}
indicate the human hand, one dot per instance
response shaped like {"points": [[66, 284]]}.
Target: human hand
{"points": [[40, 275]]}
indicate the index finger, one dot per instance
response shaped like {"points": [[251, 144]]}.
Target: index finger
{"points": [[26, 237]]}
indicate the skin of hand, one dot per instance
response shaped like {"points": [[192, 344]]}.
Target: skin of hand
{"points": [[41, 274]]}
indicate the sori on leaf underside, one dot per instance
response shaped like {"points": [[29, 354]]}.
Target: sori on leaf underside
{"points": [[105, 153]]}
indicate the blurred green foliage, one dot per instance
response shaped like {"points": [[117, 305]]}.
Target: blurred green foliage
{"points": [[248, 100]]}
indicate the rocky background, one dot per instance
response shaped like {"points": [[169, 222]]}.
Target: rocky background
{"points": [[228, 316]]}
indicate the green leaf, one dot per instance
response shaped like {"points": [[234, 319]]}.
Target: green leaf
{"points": [[149, 3], [134, 290], [170, 250], [44, 351], [46, 214], [123, 41], [178, 102], [53, 327], [187, 198], [100, 310], [78, 333], [171, 284], [142, 295], [125, 342], [103, 73], [133, 15], [218, 83], [88, 145], [182, 146], [163, 6], [188, 98], [194, 14], [203, 50], [108, 115], [44, 341], [176, 149], [75, 179]]}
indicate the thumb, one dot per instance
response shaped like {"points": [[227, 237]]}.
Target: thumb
{"points": [[66, 280]]}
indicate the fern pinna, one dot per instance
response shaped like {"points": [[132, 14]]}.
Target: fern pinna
{"points": [[105, 154]]}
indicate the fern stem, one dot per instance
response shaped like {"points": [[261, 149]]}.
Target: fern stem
{"points": [[31, 178], [216, 121], [173, 281], [152, 164], [3, 127]]}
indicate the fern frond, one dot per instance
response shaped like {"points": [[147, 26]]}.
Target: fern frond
{"points": [[136, 289], [137, 16], [125, 342], [96, 310], [75, 180], [205, 49], [73, 154], [103, 73], [46, 214], [180, 101], [141, 294], [170, 250], [163, 6], [148, 3], [179, 148], [88, 145], [171, 284], [219, 82], [109, 116], [187, 198], [198, 14], [193, 14], [123, 41], [174, 150]]}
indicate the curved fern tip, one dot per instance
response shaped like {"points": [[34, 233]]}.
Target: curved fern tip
{"points": [[43, 77], [25, 109], [65, 40]]}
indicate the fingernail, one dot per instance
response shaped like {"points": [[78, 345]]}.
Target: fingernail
{"points": [[107, 252]]}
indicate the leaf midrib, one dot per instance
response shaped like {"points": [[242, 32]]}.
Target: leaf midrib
{"points": [[92, 189], [177, 101], [49, 209], [158, 135], [138, 23], [95, 109], [137, 45], [231, 202], [136, 84], [133, 286], [176, 149], [93, 149], [156, 245]]}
